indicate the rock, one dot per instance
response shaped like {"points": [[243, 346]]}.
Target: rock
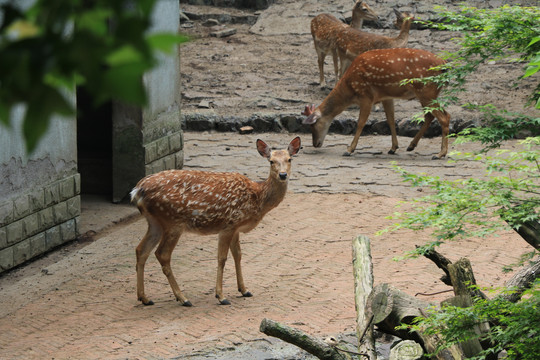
{"points": [[210, 23], [204, 104], [223, 33], [245, 130]]}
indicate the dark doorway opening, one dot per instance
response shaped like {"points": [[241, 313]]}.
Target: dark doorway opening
{"points": [[94, 145]]}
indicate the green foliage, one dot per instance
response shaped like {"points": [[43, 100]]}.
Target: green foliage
{"points": [[508, 32], [507, 196], [55, 45], [514, 326], [455, 209]]}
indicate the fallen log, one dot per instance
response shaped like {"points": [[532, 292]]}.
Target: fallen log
{"points": [[521, 281], [392, 308], [406, 350], [299, 338], [363, 284]]}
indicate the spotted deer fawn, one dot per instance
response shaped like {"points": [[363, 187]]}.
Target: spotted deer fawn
{"points": [[376, 76], [177, 201], [324, 29], [352, 42]]}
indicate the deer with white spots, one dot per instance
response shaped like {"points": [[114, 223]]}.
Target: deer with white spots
{"points": [[352, 42], [376, 76], [325, 29], [177, 201]]}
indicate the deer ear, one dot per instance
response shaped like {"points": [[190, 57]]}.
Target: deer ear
{"points": [[310, 120], [263, 149], [294, 146]]}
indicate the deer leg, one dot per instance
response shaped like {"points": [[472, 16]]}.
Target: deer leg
{"points": [[320, 59], [365, 109], [163, 254], [224, 244], [336, 64], [237, 255], [148, 242], [389, 111], [428, 118], [444, 121]]}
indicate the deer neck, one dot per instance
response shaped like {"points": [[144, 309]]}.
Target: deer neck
{"points": [[338, 100], [273, 192], [357, 22], [403, 37]]}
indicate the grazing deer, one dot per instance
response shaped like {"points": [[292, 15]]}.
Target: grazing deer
{"points": [[324, 29], [376, 76], [175, 201], [352, 42]]}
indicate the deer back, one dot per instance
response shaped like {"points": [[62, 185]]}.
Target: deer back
{"points": [[353, 42], [324, 28], [204, 202], [379, 74]]}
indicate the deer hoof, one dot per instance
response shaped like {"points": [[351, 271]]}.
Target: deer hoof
{"points": [[392, 152], [346, 153], [437, 157], [410, 148], [148, 303], [247, 294], [187, 303], [224, 302]]}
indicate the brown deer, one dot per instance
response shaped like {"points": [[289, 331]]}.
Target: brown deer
{"points": [[376, 76], [175, 201], [324, 29], [352, 42]]}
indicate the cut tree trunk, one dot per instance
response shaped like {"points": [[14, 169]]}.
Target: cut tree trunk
{"points": [[392, 308], [521, 281], [363, 284], [406, 350], [464, 283]]}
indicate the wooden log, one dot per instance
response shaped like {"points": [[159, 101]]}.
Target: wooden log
{"points": [[299, 338], [462, 278], [464, 284], [392, 307], [442, 263], [406, 350], [363, 284], [521, 281]]}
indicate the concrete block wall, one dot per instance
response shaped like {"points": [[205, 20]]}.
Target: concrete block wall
{"points": [[39, 220], [166, 152]]}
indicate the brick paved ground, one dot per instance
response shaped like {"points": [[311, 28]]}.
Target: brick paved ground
{"points": [[297, 263]]}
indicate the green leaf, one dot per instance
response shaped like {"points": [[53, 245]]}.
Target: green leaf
{"points": [[94, 21], [125, 83], [166, 42], [125, 55]]}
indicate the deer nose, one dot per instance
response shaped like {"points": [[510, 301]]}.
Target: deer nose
{"points": [[283, 175]]}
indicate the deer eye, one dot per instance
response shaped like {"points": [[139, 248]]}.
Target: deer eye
{"points": [[290, 159], [272, 162]]}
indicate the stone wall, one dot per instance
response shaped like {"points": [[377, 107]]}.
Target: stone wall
{"points": [[40, 203], [40, 193], [248, 4]]}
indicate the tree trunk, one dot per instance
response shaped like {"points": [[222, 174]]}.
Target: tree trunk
{"points": [[464, 283], [299, 338], [363, 284], [392, 307], [521, 281], [406, 350]]}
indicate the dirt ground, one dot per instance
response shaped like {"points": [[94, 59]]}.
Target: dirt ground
{"points": [[79, 302], [271, 66]]}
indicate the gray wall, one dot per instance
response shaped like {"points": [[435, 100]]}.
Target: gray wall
{"points": [[39, 194], [162, 132], [40, 203]]}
